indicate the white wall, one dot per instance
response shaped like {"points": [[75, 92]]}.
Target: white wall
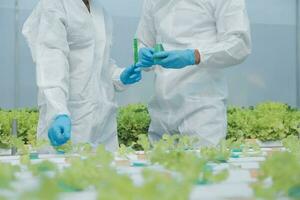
{"points": [[268, 74]]}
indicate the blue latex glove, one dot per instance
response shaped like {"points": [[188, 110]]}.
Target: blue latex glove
{"points": [[60, 130], [131, 74], [175, 59], [146, 57]]}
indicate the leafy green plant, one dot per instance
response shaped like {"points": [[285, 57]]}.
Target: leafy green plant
{"points": [[240, 122], [7, 174], [83, 149], [217, 154], [124, 151], [143, 141], [48, 190], [27, 122], [78, 176], [66, 148], [266, 121], [283, 170], [42, 167], [286, 181], [133, 120], [83, 173], [159, 185], [171, 153], [292, 143], [270, 122]]}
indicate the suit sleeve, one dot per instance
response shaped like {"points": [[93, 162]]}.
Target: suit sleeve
{"points": [[116, 74], [233, 35], [52, 65]]}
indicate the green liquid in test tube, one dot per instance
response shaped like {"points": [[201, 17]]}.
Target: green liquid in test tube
{"points": [[158, 48], [136, 50]]}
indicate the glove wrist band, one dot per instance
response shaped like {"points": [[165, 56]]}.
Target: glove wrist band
{"points": [[62, 115]]}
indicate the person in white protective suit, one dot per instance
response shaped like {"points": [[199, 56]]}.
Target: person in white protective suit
{"points": [[70, 41], [200, 38]]}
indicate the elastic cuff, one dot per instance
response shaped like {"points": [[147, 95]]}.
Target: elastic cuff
{"points": [[118, 84], [203, 59]]}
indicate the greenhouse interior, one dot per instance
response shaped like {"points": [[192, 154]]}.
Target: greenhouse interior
{"points": [[150, 99]]}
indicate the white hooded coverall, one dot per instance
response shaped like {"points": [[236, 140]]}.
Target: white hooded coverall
{"points": [[192, 100], [75, 75]]}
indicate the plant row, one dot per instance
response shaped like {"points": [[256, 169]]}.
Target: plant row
{"points": [[266, 122]]}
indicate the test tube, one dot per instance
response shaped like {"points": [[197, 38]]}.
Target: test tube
{"points": [[136, 50], [158, 48]]}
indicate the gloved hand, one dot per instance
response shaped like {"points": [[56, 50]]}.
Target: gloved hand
{"points": [[131, 74], [146, 57], [60, 130], [175, 59]]}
